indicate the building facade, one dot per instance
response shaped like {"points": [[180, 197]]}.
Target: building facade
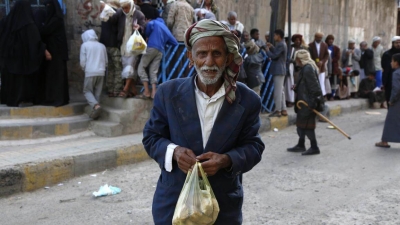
{"points": [[345, 19]]}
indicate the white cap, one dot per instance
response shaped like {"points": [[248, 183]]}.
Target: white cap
{"points": [[267, 33], [125, 1], [352, 41], [376, 38], [395, 38]]}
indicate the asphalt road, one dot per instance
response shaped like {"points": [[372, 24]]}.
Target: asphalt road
{"points": [[350, 182]]}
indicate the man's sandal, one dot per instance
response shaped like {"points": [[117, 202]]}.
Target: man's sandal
{"points": [[382, 145]]}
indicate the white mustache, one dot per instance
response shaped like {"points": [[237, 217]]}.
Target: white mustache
{"points": [[203, 68]]}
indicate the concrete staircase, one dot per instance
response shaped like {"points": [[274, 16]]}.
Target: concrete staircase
{"points": [[42, 121], [121, 116]]}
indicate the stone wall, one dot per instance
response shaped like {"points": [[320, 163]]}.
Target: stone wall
{"points": [[357, 19], [346, 19]]}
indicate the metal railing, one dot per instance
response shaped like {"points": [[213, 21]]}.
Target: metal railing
{"points": [[172, 56]]}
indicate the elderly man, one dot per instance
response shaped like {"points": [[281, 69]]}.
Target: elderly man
{"points": [[208, 118], [320, 54], [233, 23], [387, 68], [367, 60], [351, 58], [129, 20], [378, 53], [335, 58]]}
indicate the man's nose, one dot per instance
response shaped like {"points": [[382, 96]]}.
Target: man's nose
{"points": [[209, 60]]}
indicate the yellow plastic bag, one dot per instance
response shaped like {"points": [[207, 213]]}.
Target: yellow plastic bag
{"points": [[197, 204], [136, 44]]}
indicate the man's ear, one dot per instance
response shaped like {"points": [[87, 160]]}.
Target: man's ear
{"points": [[189, 55], [229, 59]]}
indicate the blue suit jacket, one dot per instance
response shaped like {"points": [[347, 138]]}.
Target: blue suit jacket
{"points": [[174, 119]]}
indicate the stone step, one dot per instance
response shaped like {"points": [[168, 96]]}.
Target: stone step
{"points": [[72, 109], [128, 103], [33, 128], [115, 115], [106, 128]]}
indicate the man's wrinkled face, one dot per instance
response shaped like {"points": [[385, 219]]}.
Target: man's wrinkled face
{"points": [[396, 44], [352, 46], [232, 20], [210, 57], [330, 42], [126, 8], [318, 38], [267, 38], [297, 42]]}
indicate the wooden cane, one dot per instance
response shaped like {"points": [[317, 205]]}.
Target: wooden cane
{"points": [[323, 117]]}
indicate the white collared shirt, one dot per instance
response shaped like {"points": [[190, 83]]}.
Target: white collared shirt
{"points": [[208, 109], [318, 45]]}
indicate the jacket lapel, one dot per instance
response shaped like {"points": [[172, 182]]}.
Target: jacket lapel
{"points": [[184, 103], [226, 122], [314, 49]]}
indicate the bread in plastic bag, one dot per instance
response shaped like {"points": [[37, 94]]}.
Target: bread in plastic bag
{"points": [[136, 44], [197, 204]]}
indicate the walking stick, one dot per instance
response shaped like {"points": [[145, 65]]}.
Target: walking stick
{"points": [[323, 117]]}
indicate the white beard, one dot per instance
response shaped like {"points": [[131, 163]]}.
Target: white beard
{"points": [[207, 80]]}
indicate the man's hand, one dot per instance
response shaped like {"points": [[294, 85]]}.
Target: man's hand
{"points": [[136, 26], [319, 64], [185, 158], [47, 55], [213, 162]]}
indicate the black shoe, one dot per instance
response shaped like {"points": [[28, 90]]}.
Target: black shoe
{"points": [[311, 151], [296, 149]]}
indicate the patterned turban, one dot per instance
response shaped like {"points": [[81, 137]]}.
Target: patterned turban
{"points": [[212, 28]]}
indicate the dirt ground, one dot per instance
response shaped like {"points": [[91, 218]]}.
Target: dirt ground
{"points": [[351, 182]]}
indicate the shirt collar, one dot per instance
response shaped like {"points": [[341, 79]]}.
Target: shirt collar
{"points": [[219, 94]]}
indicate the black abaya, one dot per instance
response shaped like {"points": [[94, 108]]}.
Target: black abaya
{"points": [[55, 78], [20, 57]]}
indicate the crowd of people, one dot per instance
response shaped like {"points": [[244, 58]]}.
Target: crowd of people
{"points": [[363, 72], [342, 74]]}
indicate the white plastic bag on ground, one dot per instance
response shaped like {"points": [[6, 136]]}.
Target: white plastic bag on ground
{"points": [[197, 203], [136, 44]]}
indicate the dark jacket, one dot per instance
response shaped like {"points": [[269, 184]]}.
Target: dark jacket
{"points": [[137, 15], [278, 55], [109, 32], [308, 89], [367, 62], [252, 66], [323, 54], [335, 60], [366, 86], [174, 119], [387, 71]]}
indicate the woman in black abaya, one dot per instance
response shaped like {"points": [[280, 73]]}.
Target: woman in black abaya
{"points": [[21, 54], [54, 81]]}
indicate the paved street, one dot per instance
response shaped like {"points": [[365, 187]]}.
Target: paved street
{"points": [[351, 182]]}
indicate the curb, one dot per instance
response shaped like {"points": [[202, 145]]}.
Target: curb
{"points": [[35, 175]]}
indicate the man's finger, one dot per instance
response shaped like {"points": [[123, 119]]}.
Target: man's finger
{"points": [[191, 154], [205, 156]]}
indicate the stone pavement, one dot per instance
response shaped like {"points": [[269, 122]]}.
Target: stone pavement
{"points": [[31, 164]]}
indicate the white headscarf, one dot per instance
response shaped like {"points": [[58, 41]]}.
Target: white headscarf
{"points": [[123, 2], [305, 58]]}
